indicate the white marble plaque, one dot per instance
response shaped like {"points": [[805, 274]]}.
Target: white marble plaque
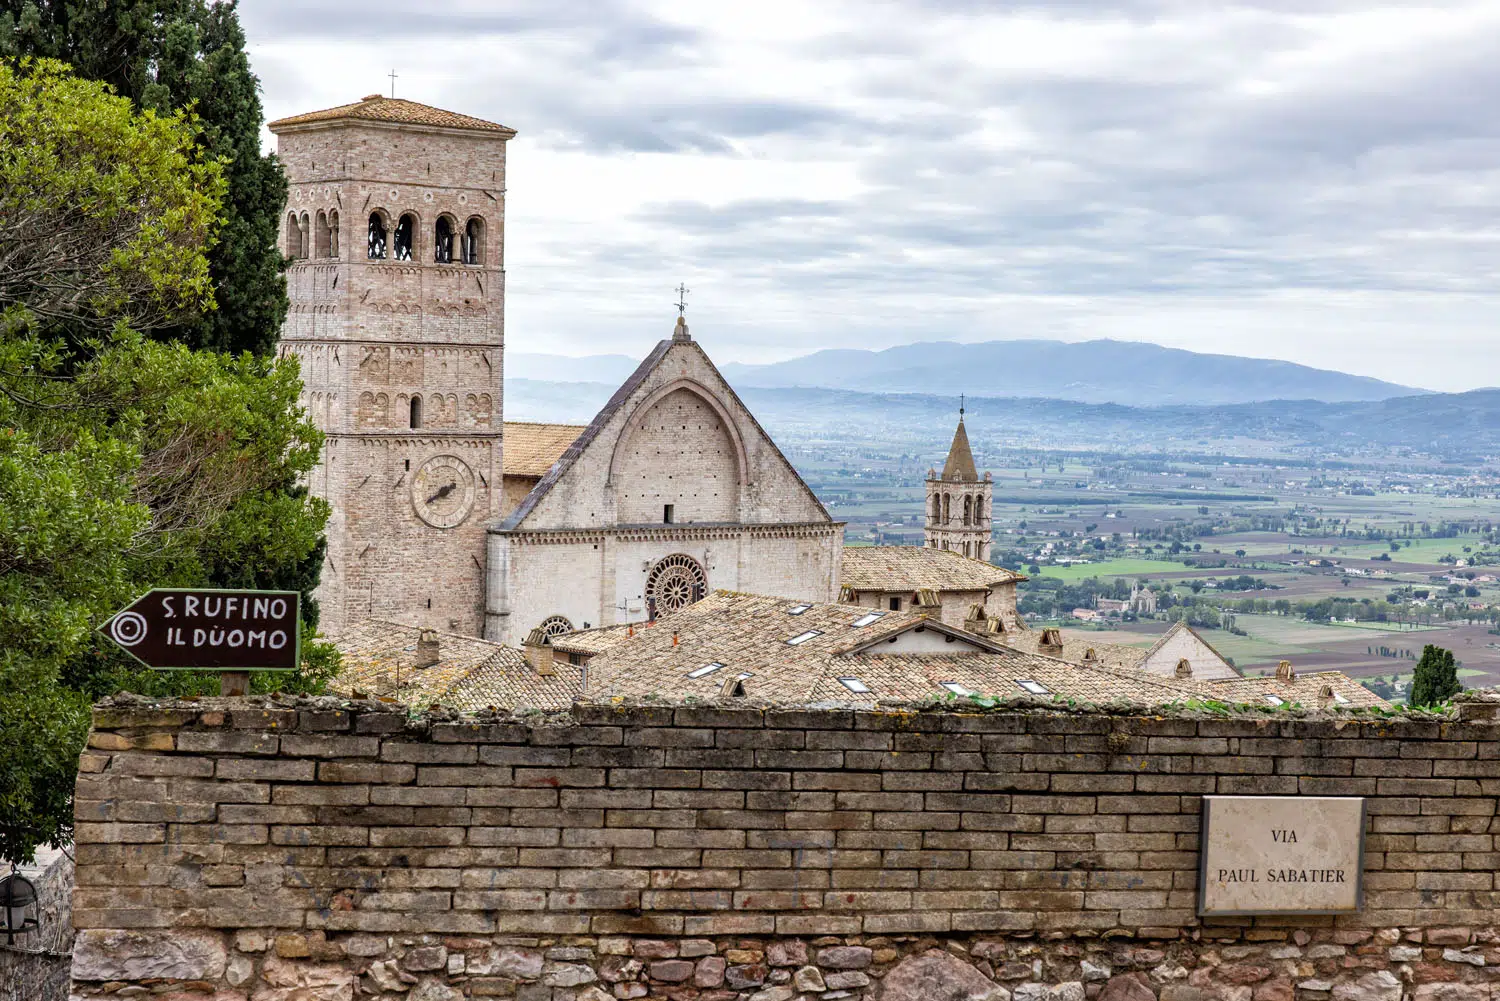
{"points": [[1281, 855]]}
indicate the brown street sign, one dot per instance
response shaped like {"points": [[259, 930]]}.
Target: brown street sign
{"points": [[199, 629]]}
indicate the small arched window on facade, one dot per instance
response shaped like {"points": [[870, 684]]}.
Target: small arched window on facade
{"points": [[968, 510], [333, 233], [442, 240], [401, 244], [416, 412], [474, 241], [306, 236], [377, 237], [293, 235], [320, 235]]}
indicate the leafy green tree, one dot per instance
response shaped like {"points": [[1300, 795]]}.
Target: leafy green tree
{"points": [[125, 462], [1436, 677], [167, 55]]}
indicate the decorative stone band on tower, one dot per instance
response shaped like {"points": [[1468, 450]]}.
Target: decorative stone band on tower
{"points": [[395, 221], [959, 502]]}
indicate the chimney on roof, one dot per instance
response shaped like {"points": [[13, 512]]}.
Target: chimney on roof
{"points": [[1184, 668], [1052, 640], [1089, 656], [1285, 673], [371, 97], [428, 649], [538, 653]]}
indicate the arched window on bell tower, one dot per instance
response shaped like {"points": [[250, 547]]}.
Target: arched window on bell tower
{"points": [[404, 237], [442, 241], [416, 412], [947, 508], [376, 251], [968, 510]]}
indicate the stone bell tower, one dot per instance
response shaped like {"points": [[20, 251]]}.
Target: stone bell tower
{"points": [[395, 224], [959, 502]]}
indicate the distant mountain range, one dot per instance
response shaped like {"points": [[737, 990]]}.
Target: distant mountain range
{"points": [[1462, 427], [1102, 371]]}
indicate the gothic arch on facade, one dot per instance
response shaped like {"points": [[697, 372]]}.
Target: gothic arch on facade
{"points": [[617, 459], [674, 583]]}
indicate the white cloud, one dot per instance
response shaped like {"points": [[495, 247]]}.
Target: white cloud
{"points": [[1315, 182]]}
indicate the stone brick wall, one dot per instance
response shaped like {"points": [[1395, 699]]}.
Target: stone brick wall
{"points": [[35, 966], [321, 850]]}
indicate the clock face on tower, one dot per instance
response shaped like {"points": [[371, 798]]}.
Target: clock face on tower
{"points": [[442, 492]]}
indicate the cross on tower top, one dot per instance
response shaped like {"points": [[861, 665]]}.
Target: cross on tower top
{"points": [[682, 293], [392, 75], [960, 406]]}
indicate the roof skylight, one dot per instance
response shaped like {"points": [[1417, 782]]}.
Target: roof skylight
{"points": [[705, 670], [802, 638], [956, 688], [854, 685], [797, 609], [1340, 699], [1275, 700], [865, 620], [1034, 687]]}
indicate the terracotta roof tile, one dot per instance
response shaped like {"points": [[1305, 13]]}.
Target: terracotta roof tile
{"points": [[531, 449], [730, 637], [1076, 647], [909, 568], [1314, 690], [376, 108], [472, 673]]}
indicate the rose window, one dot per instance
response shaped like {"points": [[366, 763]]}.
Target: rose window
{"points": [[675, 582]]}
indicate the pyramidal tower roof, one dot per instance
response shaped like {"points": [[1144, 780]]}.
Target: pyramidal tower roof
{"points": [[960, 464], [396, 111]]}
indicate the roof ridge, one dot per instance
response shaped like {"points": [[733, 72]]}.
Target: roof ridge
{"points": [[397, 110]]}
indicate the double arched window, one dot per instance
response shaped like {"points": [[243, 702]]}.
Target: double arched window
{"points": [[398, 242], [298, 233]]}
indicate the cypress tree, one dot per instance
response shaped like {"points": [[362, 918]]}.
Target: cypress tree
{"points": [[167, 54], [1436, 677]]}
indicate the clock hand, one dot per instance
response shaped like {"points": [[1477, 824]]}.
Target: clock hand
{"points": [[443, 491]]}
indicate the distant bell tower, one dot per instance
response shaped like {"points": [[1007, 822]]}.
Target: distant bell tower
{"points": [[958, 501], [395, 225]]}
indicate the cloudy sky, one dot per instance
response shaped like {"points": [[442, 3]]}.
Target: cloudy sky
{"points": [[1316, 181]]}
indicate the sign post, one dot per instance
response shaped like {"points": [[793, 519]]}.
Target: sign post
{"points": [[198, 629]]}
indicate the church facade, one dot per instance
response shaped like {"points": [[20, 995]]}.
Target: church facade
{"points": [[672, 490], [395, 229]]}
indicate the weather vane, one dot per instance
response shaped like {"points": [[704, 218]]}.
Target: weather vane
{"points": [[393, 81], [682, 293]]}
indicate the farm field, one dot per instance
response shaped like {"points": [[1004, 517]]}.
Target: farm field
{"points": [[1131, 568]]}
